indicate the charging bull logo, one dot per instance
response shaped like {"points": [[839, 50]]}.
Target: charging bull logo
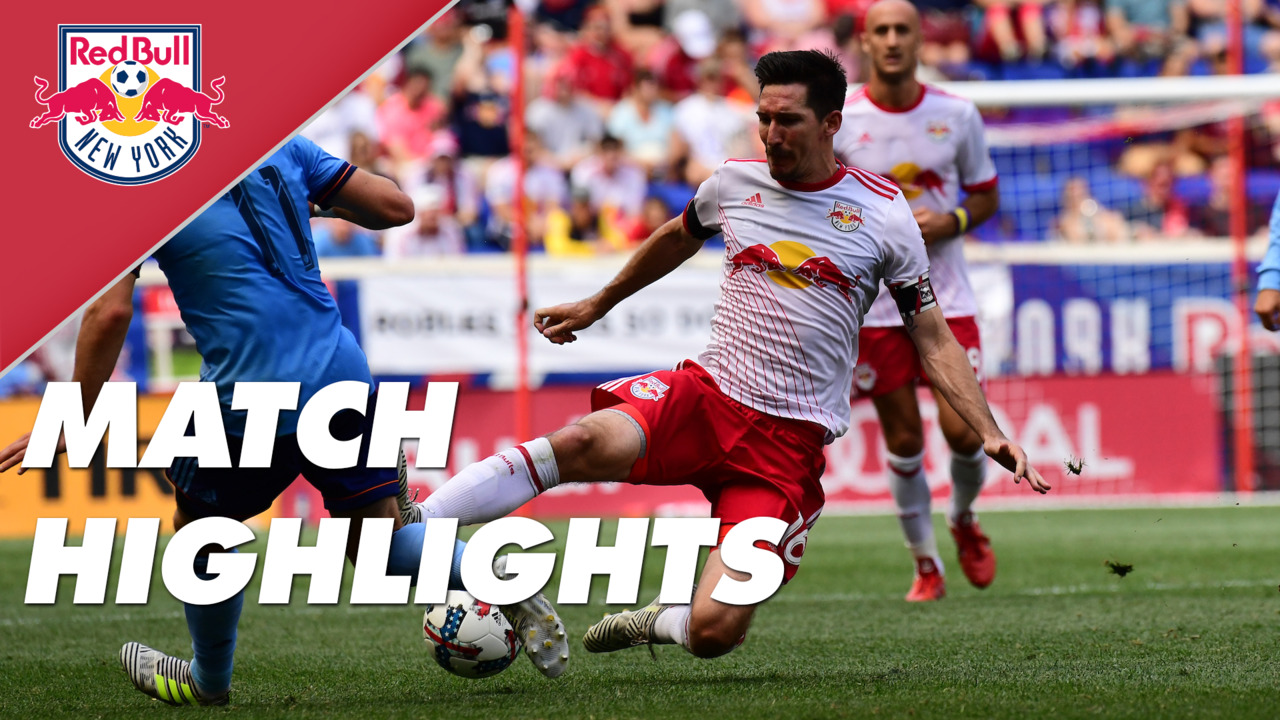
{"points": [[90, 101], [134, 93], [913, 180], [790, 264], [649, 388], [845, 217], [168, 99]]}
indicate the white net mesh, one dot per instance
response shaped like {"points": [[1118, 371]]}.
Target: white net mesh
{"points": [[1108, 301]]}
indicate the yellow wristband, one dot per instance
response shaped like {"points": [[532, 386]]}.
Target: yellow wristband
{"points": [[962, 220]]}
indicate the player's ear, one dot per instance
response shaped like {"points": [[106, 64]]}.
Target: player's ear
{"points": [[832, 122]]}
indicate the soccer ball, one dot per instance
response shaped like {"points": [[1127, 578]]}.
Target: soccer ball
{"points": [[469, 638], [129, 78]]}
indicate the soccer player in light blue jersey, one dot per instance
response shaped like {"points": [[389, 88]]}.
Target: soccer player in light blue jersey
{"points": [[1268, 303], [244, 276]]}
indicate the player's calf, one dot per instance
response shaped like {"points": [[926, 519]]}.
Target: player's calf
{"points": [[710, 636]]}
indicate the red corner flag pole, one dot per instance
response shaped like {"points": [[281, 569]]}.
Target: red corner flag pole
{"points": [[1243, 385], [519, 240]]}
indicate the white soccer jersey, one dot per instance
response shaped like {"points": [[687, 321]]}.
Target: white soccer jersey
{"points": [[803, 262], [932, 150]]}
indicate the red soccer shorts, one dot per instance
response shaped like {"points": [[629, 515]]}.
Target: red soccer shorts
{"points": [[887, 359], [747, 463]]}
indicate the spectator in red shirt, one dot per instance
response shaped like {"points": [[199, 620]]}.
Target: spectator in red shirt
{"points": [[598, 66], [408, 119]]}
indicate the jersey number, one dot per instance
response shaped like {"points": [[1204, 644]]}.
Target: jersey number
{"points": [[268, 188]]}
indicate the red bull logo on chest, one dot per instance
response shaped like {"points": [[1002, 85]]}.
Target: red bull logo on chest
{"points": [[845, 217], [129, 105], [790, 264]]}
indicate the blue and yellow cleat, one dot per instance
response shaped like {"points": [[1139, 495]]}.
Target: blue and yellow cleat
{"points": [[164, 678]]}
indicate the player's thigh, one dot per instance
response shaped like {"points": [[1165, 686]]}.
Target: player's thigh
{"points": [[960, 437], [352, 489], [236, 493], [385, 507], [677, 425], [601, 447], [900, 420], [715, 628]]}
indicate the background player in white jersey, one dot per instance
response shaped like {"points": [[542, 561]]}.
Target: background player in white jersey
{"points": [[931, 144], [808, 241]]}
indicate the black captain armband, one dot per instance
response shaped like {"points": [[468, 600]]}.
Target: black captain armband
{"points": [[695, 227], [913, 297]]}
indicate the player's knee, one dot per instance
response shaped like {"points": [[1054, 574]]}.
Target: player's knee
{"points": [[965, 444], [573, 441], [904, 442], [587, 452], [713, 639]]}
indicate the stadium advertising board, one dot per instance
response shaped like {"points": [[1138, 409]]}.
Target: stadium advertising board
{"points": [[1125, 318], [95, 491], [1119, 425]]}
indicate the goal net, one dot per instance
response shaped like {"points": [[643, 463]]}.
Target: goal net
{"points": [[1112, 306]]}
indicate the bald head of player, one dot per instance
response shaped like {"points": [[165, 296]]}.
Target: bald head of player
{"points": [[891, 39], [801, 96]]}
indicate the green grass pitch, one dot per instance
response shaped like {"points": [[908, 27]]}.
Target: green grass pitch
{"points": [[1192, 633]]}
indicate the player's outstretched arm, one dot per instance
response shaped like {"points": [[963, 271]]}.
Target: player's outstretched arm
{"points": [[373, 202], [102, 333], [949, 370], [664, 251]]}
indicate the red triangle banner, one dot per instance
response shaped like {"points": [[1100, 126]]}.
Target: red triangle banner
{"points": [[134, 133]]}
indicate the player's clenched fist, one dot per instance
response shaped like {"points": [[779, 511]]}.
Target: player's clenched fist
{"points": [[558, 323]]}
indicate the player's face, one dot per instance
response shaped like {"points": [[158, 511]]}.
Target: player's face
{"points": [[892, 40], [792, 134]]}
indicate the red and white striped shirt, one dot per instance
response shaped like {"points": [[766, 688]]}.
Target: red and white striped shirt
{"points": [[803, 262], [933, 150]]}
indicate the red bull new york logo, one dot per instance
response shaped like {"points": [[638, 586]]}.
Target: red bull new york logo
{"points": [[129, 105]]}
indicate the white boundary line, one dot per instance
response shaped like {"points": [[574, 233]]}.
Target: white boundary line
{"points": [[1048, 503], [784, 597]]}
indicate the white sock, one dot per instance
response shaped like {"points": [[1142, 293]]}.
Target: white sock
{"points": [[911, 493], [497, 485], [968, 474], [672, 626]]}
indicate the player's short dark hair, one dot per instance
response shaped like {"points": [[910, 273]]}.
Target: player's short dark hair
{"points": [[820, 72]]}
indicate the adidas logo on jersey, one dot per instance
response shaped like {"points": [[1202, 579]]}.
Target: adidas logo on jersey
{"points": [[754, 201]]}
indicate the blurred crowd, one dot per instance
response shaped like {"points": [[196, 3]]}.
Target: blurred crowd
{"points": [[629, 104]]}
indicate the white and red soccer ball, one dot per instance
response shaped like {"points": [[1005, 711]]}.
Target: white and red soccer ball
{"points": [[469, 638]]}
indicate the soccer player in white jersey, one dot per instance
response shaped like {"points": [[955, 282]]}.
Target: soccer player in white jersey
{"points": [[931, 145], [808, 241]]}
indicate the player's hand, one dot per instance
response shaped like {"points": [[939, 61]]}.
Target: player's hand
{"points": [[1268, 308], [558, 323], [934, 225], [1004, 451], [17, 450]]}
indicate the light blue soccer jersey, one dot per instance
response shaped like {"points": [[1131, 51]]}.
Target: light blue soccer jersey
{"points": [[244, 276]]}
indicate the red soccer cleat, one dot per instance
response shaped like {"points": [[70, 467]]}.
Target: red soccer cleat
{"points": [[929, 583], [976, 558]]}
